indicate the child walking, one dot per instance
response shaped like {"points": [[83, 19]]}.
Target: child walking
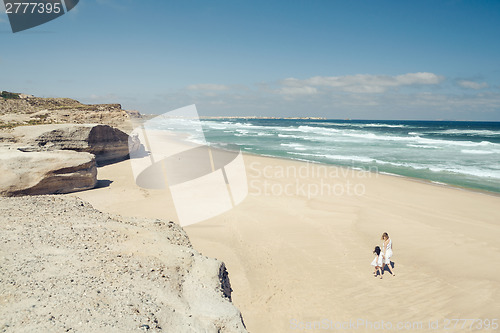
{"points": [[377, 262]]}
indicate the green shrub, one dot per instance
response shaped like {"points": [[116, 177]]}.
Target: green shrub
{"points": [[9, 95]]}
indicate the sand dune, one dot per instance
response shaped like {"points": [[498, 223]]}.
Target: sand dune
{"points": [[302, 257]]}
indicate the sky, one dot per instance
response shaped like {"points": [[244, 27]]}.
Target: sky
{"points": [[337, 59]]}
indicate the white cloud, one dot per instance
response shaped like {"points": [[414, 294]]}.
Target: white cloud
{"points": [[306, 90], [472, 85], [208, 87], [365, 83], [355, 96], [419, 104]]}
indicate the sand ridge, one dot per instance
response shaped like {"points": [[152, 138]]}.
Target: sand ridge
{"points": [[66, 267]]}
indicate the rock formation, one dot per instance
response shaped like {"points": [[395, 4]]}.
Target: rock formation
{"points": [[108, 144], [66, 267], [45, 172]]}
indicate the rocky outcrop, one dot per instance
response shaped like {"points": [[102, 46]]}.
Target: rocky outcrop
{"points": [[45, 172], [108, 144], [20, 109], [134, 114], [67, 267]]}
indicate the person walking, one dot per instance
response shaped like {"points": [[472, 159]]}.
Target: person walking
{"points": [[387, 253]]}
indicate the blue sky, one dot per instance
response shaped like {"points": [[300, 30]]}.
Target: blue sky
{"points": [[330, 58]]}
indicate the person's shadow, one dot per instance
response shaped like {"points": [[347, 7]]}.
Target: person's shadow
{"points": [[386, 269]]}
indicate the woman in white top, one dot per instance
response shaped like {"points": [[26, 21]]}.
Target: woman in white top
{"points": [[387, 253]]}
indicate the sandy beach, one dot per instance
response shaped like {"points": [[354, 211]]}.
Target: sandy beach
{"points": [[298, 248], [231, 166]]}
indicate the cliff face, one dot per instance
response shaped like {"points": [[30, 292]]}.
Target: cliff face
{"points": [[19, 109], [58, 158], [60, 124], [68, 267]]}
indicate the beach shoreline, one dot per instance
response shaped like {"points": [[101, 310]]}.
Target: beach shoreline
{"points": [[382, 173], [458, 154]]}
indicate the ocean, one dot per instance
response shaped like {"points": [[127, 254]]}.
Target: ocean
{"points": [[465, 154]]}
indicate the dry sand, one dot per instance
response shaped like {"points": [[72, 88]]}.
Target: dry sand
{"points": [[298, 258]]}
